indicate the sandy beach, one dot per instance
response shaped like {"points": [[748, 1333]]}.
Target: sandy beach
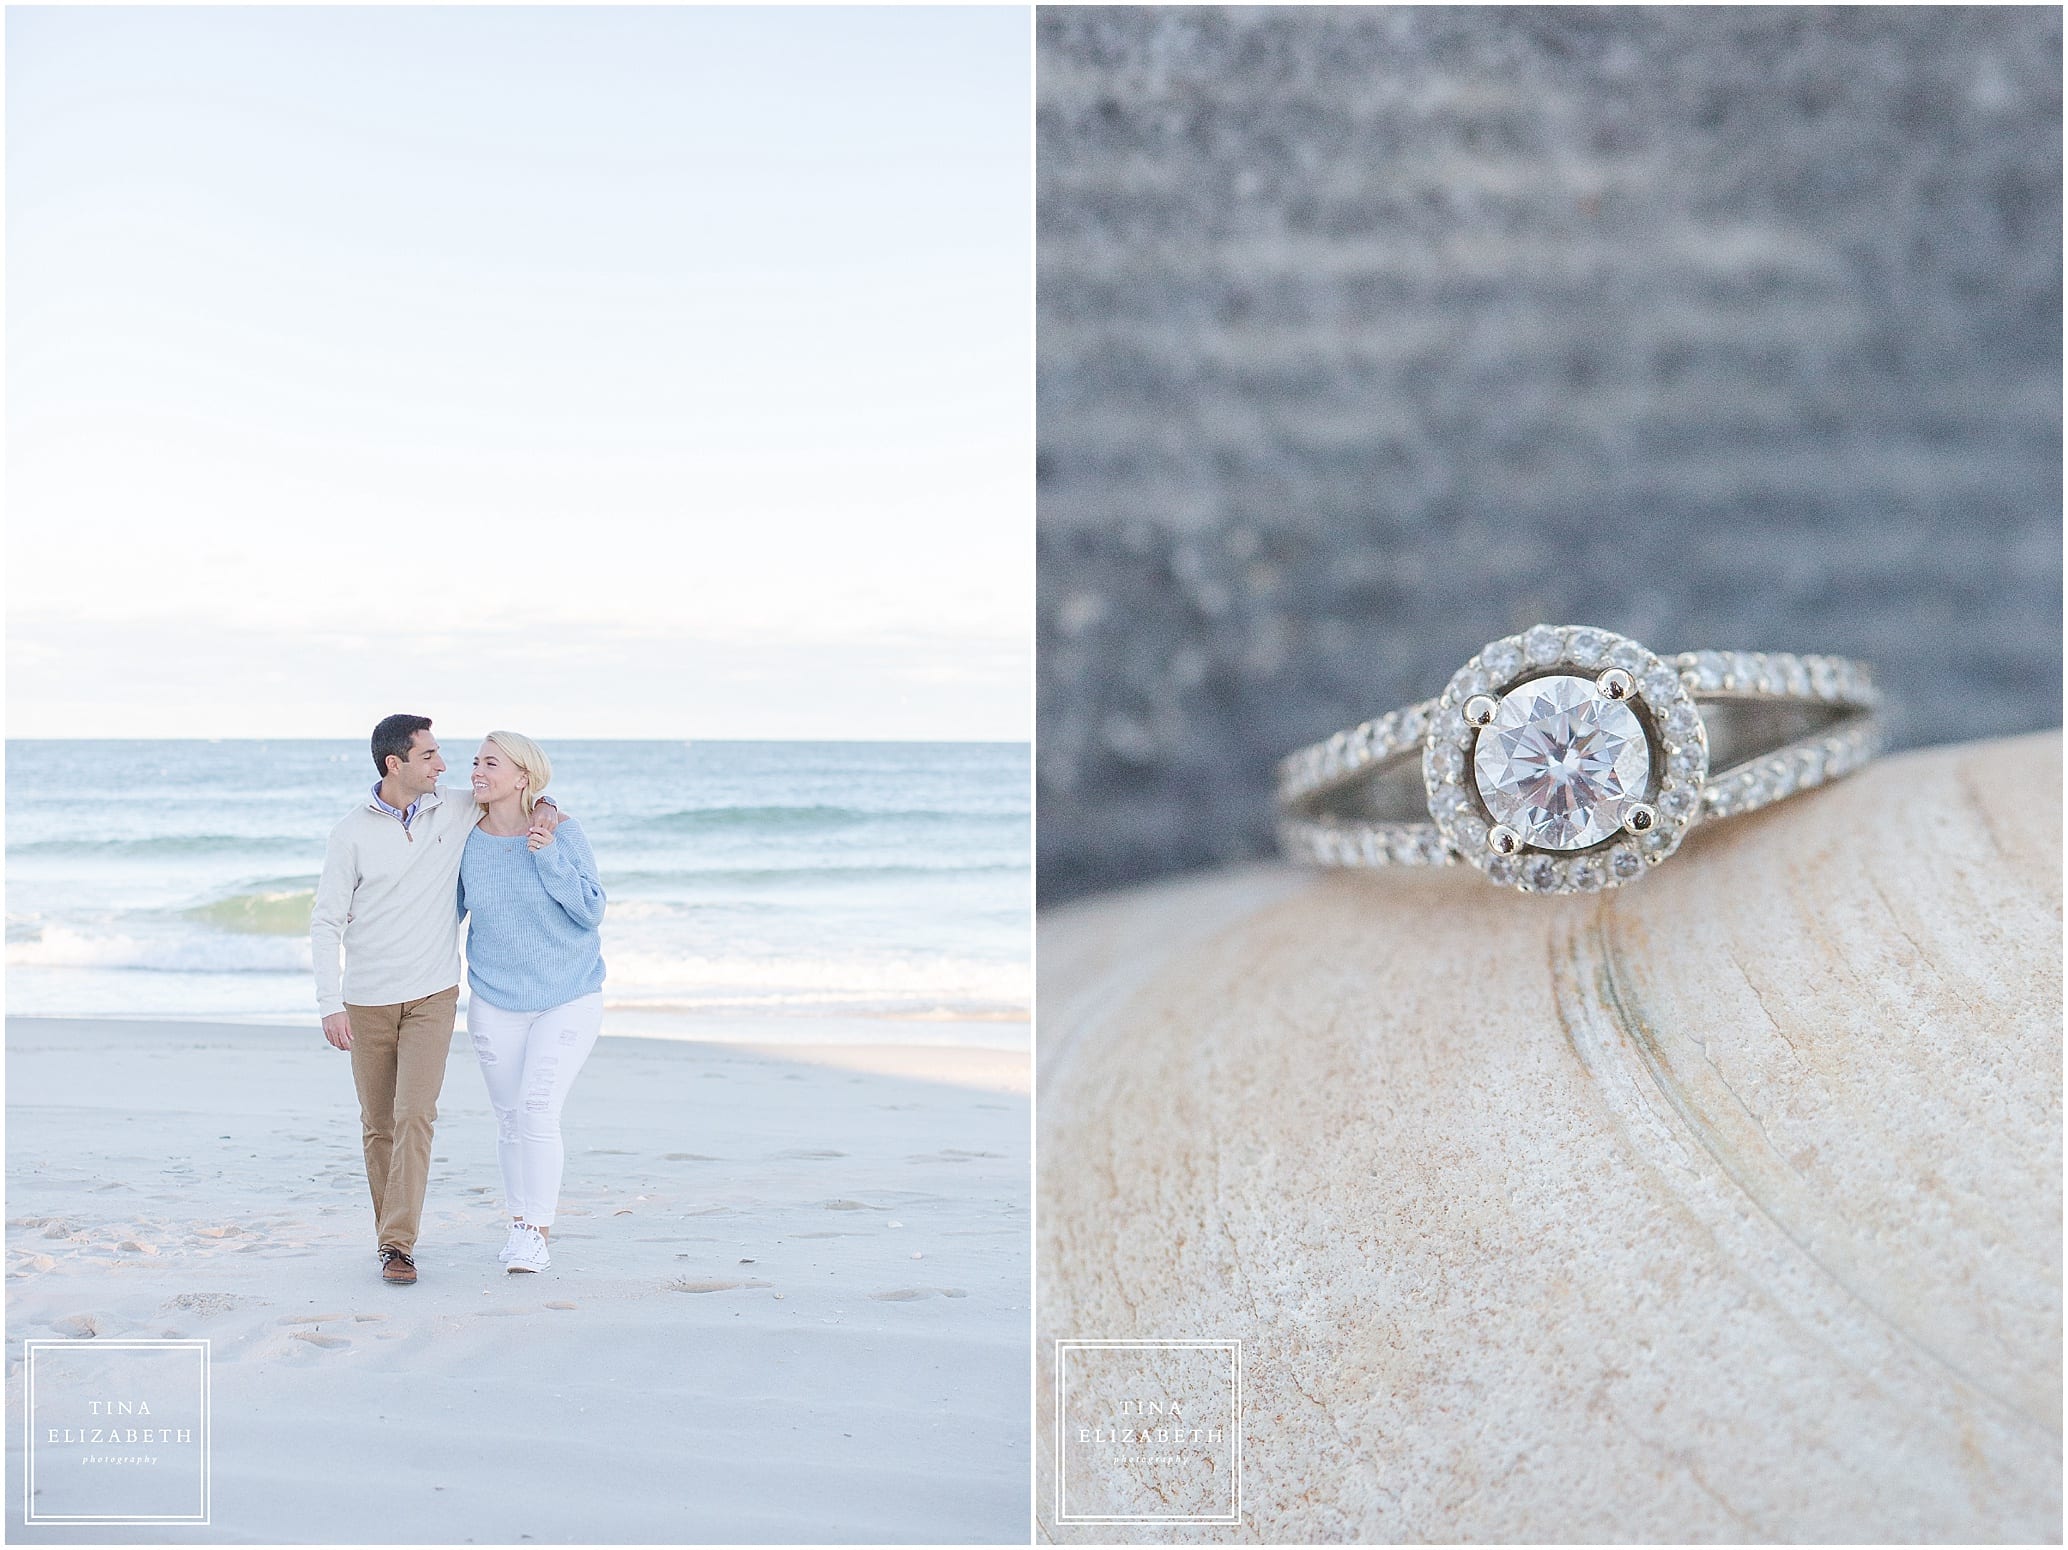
{"points": [[788, 1299]]}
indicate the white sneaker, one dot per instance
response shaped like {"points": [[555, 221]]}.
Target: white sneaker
{"points": [[531, 1251], [510, 1243]]}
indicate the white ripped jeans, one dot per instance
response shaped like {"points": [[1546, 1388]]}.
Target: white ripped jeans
{"points": [[529, 1060]]}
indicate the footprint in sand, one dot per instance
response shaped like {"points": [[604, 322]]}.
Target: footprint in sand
{"points": [[208, 1304], [684, 1285], [914, 1293], [567, 1307], [316, 1337], [79, 1326], [851, 1205]]}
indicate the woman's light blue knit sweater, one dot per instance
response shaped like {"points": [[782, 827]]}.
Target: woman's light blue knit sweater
{"points": [[532, 941]]}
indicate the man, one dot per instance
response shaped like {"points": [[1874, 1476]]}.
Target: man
{"points": [[389, 897]]}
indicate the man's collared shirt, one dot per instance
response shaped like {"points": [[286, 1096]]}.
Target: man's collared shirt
{"points": [[395, 812]]}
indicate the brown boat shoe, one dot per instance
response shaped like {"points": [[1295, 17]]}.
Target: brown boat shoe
{"points": [[397, 1268]]}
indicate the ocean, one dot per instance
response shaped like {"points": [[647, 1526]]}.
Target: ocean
{"points": [[756, 889]]}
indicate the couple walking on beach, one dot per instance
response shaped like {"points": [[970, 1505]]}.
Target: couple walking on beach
{"points": [[401, 873]]}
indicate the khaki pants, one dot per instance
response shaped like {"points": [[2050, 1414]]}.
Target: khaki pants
{"points": [[398, 1065]]}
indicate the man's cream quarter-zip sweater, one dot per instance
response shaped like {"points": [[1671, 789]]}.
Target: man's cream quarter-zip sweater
{"points": [[389, 897]]}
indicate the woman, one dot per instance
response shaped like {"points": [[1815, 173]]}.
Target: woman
{"points": [[535, 973]]}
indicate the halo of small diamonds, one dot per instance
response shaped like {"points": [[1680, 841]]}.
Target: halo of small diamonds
{"points": [[1666, 710]]}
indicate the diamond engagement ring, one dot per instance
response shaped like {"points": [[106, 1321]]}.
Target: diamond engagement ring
{"points": [[1571, 759]]}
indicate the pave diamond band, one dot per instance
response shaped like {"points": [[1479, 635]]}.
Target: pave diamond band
{"points": [[1572, 759]]}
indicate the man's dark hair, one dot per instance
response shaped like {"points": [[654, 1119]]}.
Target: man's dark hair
{"points": [[393, 736]]}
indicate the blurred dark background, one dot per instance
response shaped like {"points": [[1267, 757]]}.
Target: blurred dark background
{"points": [[1368, 334]]}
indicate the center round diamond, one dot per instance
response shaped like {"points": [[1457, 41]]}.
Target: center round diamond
{"points": [[1559, 761]]}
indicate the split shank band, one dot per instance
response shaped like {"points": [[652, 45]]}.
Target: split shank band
{"points": [[1570, 759]]}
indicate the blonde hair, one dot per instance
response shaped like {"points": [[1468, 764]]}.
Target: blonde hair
{"points": [[530, 759]]}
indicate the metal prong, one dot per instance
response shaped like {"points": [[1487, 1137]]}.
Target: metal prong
{"points": [[1640, 818], [1616, 684], [1479, 710], [1502, 840]]}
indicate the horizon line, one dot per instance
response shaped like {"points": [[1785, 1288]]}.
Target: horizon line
{"points": [[265, 737]]}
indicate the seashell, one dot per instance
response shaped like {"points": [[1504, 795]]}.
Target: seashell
{"points": [[1724, 1207]]}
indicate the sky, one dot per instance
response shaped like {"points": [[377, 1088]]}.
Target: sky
{"points": [[629, 372]]}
